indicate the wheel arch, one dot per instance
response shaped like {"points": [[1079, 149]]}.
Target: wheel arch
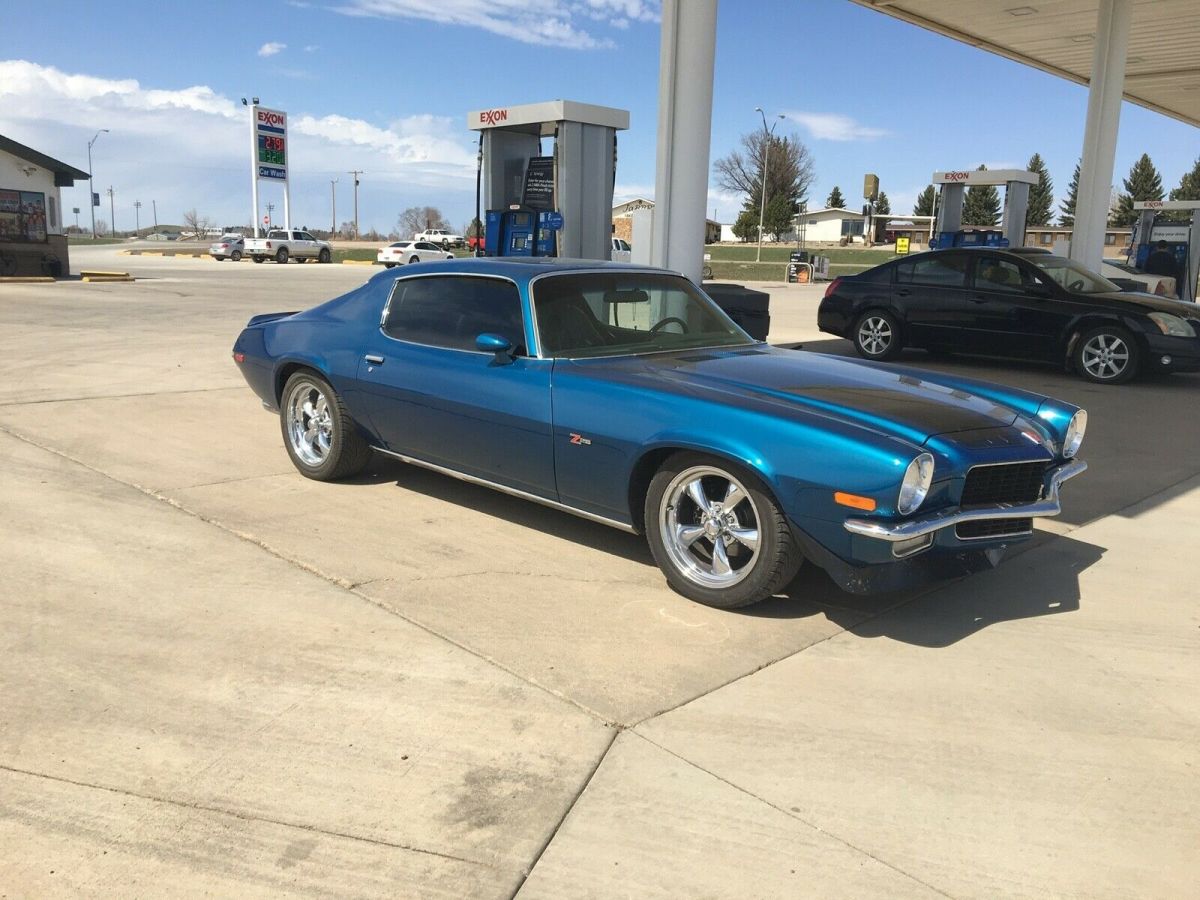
{"points": [[1087, 322], [285, 369]]}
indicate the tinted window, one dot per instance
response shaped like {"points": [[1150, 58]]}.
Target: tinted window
{"points": [[453, 311], [995, 274], [943, 271], [305, 236]]}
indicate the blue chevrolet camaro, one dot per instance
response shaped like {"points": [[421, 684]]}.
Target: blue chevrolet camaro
{"points": [[624, 395]]}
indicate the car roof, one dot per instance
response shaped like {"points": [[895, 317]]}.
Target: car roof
{"points": [[523, 268]]}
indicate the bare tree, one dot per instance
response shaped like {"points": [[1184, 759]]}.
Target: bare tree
{"points": [[420, 218], [196, 223], [791, 168]]}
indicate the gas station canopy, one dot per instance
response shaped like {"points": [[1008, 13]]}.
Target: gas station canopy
{"points": [[1057, 36]]}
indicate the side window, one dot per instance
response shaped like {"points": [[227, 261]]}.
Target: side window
{"points": [[995, 274], [305, 236], [453, 311], [937, 270]]}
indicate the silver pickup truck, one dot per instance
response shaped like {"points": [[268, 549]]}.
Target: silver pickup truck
{"points": [[281, 245]]}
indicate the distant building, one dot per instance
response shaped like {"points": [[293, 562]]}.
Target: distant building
{"points": [[32, 231], [622, 221], [1050, 237], [829, 225]]}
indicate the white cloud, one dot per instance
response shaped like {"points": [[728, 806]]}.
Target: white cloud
{"points": [[834, 127], [188, 148], [271, 48], [625, 192], [545, 22]]}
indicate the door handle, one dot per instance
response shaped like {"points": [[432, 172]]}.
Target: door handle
{"points": [[978, 299], [373, 359]]}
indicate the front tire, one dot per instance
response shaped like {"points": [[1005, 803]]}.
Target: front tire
{"points": [[282, 256], [717, 533], [320, 436], [1107, 355], [877, 335]]}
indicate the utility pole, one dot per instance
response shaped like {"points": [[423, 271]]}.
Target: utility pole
{"points": [[154, 204], [91, 190], [137, 218], [112, 213], [333, 207], [356, 173], [270, 209]]}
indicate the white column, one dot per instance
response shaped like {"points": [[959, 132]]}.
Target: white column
{"points": [[685, 88], [254, 164], [1100, 131]]}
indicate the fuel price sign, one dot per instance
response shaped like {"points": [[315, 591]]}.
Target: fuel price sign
{"points": [[270, 135]]}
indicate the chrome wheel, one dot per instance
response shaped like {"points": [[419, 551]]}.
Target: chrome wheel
{"points": [[1105, 356], [309, 423], [709, 526], [875, 335]]}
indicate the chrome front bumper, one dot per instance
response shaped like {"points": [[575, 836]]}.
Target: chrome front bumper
{"points": [[914, 528]]}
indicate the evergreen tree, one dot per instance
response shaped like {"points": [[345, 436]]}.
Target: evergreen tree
{"points": [[1067, 216], [982, 204], [835, 199], [746, 226], [1189, 185], [1143, 183], [1041, 195], [882, 206], [925, 201]]}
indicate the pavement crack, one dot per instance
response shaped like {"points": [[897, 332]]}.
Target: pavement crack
{"points": [[246, 817], [119, 396], [790, 814], [566, 813]]}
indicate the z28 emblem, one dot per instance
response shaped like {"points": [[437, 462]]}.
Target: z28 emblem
{"points": [[579, 439]]}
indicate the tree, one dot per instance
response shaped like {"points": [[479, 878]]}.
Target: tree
{"points": [[789, 176], [1067, 216], [982, 204], [195, 222], [835, 200], [746, 226], [883, 206], [925, 201], [420, 218], [1041, 195], [1143, 183], [1189, 185], [474, 228]]}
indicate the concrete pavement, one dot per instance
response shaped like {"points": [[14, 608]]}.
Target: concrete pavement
{"points": [[223, 678]]}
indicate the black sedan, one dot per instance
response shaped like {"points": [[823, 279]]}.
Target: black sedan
{"points": [[995, 302]]}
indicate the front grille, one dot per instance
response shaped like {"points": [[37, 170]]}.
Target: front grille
{"points": [[1012, 483], [989, 528]]}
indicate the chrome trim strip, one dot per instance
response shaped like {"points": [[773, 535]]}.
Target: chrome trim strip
{"points": [[514, 492], [993, 537], [900, 531]]}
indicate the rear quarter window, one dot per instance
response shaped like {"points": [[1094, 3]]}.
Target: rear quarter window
{"points": [[936, 271]]}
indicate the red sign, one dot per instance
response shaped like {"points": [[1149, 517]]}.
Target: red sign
{"points": [[493, 116], [270, 117], [957, 176], [1153, 204]]}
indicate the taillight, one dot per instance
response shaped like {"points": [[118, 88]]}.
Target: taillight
{"points": [[268, 245], [833, 286], [238, 356]]}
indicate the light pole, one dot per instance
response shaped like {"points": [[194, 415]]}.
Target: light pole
{"points": [[762, 208], [91, 193], [112, 212], [137, 218], [356, 173], [333, 207]]}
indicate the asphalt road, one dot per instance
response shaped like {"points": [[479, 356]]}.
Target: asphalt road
{"points": [[221, 678]]}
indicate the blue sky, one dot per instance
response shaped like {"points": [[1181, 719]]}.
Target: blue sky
{"points": [[385, 86]]}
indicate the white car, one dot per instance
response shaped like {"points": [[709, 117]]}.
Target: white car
{"points": [[1122, 274], [402, 252], [439, 236]]}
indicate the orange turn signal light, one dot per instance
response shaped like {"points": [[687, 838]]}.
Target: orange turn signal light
{"points": [[854, 500]]}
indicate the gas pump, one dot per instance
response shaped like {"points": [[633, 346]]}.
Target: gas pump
{"points": [[521, 232], [950, 232], [1181, 237]]}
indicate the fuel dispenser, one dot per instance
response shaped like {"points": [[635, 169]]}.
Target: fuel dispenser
{"points": [[949, 231], [548, 205], [1181, 233]]}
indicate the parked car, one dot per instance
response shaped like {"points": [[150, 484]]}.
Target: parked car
{"points": [[282, 245], [402, 252], [1025, 305], [624, 395], [621, 251], [228, 246], [440, 236]]}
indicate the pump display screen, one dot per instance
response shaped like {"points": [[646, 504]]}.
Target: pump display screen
{"points": [[272, 150]]}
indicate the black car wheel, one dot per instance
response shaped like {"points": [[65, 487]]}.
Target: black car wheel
{"points": [[236, 255], [324, 256], [320, 437], [282, 256], [877, 335], [717, 533], [257, 259], [1107, 355]]}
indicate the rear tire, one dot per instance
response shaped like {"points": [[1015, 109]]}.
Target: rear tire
{"points": [[717, 533], [320, 436], [236, 255], [415, 259], [282, 256], [257, 259], [324, 256], [877, 335], [388, 265]]}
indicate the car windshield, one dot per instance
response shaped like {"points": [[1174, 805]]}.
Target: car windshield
{"points": [[615, 314], [1071, 275]]}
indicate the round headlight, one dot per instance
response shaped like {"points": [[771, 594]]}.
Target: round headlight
{"points": [[915, 486], [1075, 432]]}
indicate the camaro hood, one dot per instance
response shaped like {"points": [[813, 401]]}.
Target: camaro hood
{"points": [[901, 403]]}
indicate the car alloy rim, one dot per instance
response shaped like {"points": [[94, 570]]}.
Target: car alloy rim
{"points": [[710, 527], [875, 335], [1105, 356], [309, 423]]}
